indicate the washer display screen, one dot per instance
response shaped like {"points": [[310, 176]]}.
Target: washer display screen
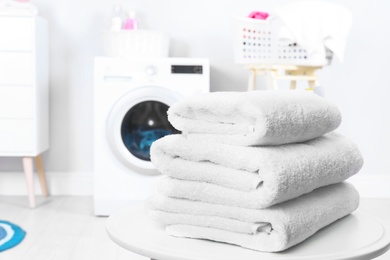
{"points": [[143, 124], [186, 69]]}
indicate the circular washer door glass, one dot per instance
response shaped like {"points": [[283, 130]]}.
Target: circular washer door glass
{"points": [[143, 124]]}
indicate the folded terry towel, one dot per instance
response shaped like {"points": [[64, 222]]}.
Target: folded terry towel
{"points": [[264, 176], [273, 229], [224, 223], [255, 118]]}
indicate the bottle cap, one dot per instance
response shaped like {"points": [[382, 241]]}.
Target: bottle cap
{"points": [[131, 14], [117, 9]]}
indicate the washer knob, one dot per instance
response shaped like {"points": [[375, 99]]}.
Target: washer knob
{"points": [[151, 70]]}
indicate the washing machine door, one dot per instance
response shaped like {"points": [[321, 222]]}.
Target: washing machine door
{"points": [[136, 121]]}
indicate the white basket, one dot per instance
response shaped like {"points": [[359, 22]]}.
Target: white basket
{"points": [[136, 44], [256, 42]]}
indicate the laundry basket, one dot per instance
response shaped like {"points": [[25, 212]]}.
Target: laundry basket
{"points": [[136, 44], [256, 42]]}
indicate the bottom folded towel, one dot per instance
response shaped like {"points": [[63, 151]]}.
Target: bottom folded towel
{"points": [[270, 230]]}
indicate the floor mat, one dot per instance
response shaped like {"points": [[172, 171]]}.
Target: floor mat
{"points": [[10, 235]]}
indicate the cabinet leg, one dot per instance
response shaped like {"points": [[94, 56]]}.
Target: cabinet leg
{"points": [[314, 82], [29, 173], [41, 175], [293, 84], [252, 80], [271, 80], [312, 85]]}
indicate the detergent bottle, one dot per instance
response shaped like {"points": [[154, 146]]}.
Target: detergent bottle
{"points": [[130, 22]]}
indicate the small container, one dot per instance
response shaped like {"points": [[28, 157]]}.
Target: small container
{"points": [[130, 22], [116, 19]]}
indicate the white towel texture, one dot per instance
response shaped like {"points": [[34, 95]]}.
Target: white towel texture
{"points": [[273, 229], [263, 169], [263, 117], [252, 177]]}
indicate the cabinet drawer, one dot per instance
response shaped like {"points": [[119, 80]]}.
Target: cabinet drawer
{"points": [[16, 68], [16, 33], [16, 136], [16, 102]]}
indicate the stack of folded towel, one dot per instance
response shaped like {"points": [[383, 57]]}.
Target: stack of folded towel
{"points": [[262, 169]]}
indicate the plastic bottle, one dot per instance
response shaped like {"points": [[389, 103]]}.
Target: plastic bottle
{"points": [[130, 23], [116, 18]]}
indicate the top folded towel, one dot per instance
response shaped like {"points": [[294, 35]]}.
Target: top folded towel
{"points": [[264, 117]]}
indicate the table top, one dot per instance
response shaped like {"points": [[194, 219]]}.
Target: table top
{"points": [[359, 236]]}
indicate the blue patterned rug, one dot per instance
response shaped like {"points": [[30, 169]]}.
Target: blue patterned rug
{"points": [[10, 235]]}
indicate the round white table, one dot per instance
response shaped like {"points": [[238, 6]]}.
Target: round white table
{"points": [[359, 236]]}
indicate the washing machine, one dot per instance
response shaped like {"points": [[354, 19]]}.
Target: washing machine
{"points": [[131, 99]]}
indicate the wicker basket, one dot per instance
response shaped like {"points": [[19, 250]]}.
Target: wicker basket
{"points": [[136, 44], [256, 42]]}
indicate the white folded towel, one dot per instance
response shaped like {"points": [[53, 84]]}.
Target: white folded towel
{"points": [[263, 117], [224, 223], [253, 177], [273, 229]]}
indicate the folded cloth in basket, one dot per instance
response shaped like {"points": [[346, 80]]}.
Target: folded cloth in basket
{"points": [[315, 25], [255, 118], [273, 229], [221, 173]]}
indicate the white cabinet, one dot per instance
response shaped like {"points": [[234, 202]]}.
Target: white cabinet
{"points": [[24, 94], [24, 110], [20, 32]]}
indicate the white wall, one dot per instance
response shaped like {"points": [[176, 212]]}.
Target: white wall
{"points": [[360, 86]]}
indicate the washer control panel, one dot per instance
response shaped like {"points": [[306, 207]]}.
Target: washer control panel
{"points": [[151, 70], [186, 76], [186, 69]]}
